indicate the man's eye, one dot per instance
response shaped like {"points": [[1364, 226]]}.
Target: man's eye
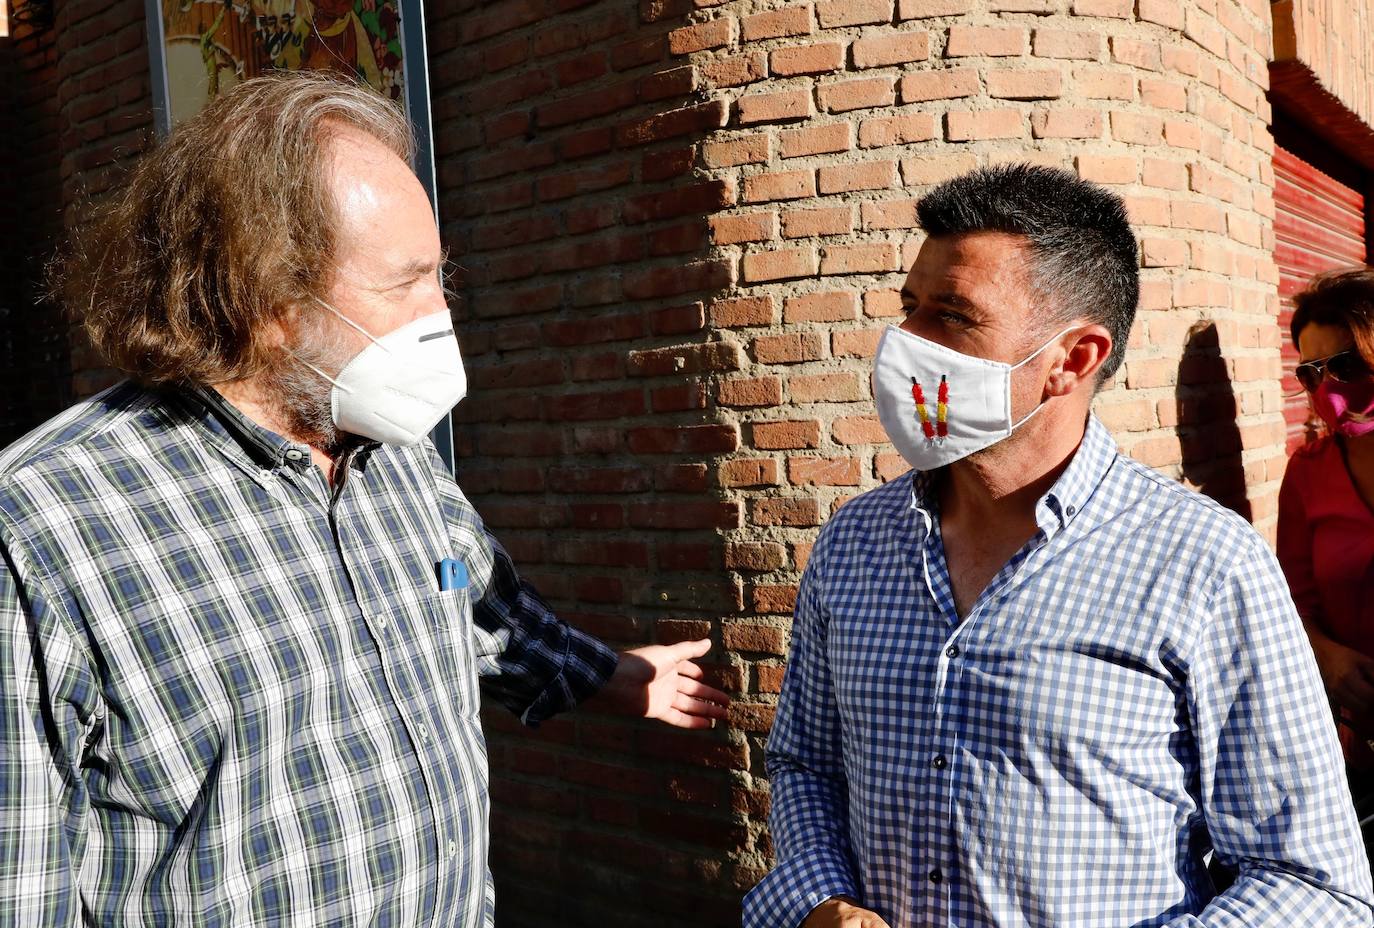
{"points": [[951, 317]]}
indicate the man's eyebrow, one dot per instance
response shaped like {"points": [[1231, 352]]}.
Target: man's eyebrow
{"points": [[419, 267], [952, 300]]}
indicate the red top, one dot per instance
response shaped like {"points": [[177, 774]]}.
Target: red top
{"points": [[1326, 546]]}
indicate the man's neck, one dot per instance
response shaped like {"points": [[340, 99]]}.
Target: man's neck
{"points": [[999, 488], [244, 396]]}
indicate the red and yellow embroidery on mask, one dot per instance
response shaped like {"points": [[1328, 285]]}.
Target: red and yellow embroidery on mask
{"points": [[939, 428]]}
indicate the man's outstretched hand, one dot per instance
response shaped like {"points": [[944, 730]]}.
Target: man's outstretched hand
{"points": [[662, 682], [839, 912]]}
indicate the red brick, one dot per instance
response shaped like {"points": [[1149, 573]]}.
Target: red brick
{"points": [[857, 94], [679, 278], [783, 185], [814, 140], [924, 9], [752, 149], [683, 439], [790, 20], [771, 599], [1162, 12], [1062, 43], [690, 119], [1024, 85], [754, 472], [749, 636], [684, 359], [860, 344], [775, 107], [826, 306], [1171, 175], [757, 391], [807, 59], [869, 258], [1108, 169], [883, 303], [733, 70], [897, 130], [795, 512], [685, 514], [711, 34], [853, 12], [749, 227], [803, 223], [827, 388], [581, 68], [900, 48], [1110, 9], [889, 214], [694, 200], [764, 556], [823, 472], [783, 264], [744, 311], [1066, 124], [922, 86], [859, 430], [1136, 128], [788, 349], [866, 175], [997, 41], [1135, 53], [786, 436]]}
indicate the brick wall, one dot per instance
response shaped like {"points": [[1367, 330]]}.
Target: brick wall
{"points": [[684, 229], [682, 226], [1332, 39], [35, 378]]}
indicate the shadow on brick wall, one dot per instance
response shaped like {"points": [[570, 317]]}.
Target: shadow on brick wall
{"points": [[1207, 431]]}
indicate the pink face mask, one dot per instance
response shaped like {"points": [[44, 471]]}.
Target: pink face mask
{"points": [[1347, 408]]}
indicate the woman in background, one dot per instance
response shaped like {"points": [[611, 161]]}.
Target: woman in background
{"points": [[1326, 509]]}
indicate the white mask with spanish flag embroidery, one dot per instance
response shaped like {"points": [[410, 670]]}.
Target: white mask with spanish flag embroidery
{"points": [[939, 405]]}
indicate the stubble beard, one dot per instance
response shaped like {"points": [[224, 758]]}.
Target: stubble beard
{"points": [[302, 396]]}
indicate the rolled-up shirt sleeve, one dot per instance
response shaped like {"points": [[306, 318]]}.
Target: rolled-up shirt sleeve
{"points": [[1272, 784], [809, 818]]}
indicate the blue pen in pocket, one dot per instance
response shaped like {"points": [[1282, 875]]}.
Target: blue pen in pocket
{"points": [[453, 574]]}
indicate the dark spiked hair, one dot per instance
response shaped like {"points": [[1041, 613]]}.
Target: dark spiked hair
{"points": [[1082, 249]]}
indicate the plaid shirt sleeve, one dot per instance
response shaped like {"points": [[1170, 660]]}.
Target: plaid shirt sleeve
{"points": [[1273, 792], [809, 817], [531, 661], [46, 716]]}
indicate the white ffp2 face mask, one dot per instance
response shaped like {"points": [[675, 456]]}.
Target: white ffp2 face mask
{"points": [[939, 405], [398, 388]]}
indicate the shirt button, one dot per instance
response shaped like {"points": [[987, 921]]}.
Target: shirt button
{"points": [[952, 651], [936, 876], [452, 849], [1070, 511], [939, 763], [381, 622], [424, 732], [294, 455]]}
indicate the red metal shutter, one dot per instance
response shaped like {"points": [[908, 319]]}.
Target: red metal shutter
{"points": [[1318, 225]]}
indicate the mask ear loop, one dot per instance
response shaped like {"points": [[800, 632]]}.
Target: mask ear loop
{"points": [[1041, 405]]}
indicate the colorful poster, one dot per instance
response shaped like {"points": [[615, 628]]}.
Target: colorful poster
{"points": [[210, 45]]}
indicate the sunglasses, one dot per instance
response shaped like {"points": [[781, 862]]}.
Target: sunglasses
{"points": [[1346, 367]]}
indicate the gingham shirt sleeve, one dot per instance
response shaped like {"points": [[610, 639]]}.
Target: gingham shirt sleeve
{"points": [[1272, 785], [41, 737], [809, 818]]}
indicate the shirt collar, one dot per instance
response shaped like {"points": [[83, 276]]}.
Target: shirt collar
{"points": [[1070, 493], [265, 447]]}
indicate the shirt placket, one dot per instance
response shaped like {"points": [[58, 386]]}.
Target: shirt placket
{"points": [[933, 862], [404, 692]]}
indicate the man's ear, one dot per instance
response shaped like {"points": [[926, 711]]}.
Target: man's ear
{"points": [[1086, 350]]}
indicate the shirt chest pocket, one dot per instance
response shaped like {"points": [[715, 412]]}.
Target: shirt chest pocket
{"points": [[433, 654]]}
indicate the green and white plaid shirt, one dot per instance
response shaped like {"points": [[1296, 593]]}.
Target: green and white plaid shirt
{"points": [[231, 697]]}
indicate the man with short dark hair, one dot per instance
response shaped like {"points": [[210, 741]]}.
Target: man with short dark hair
{"points": [[1033, 683], [243, 605]]}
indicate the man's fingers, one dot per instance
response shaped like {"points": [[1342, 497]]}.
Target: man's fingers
{"points": [[693, 706], [680, 719], [688, 669], [702, 691], [687, 650]]}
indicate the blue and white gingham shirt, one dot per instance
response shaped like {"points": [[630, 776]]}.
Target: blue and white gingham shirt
{"points": [[1132, 688]]}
